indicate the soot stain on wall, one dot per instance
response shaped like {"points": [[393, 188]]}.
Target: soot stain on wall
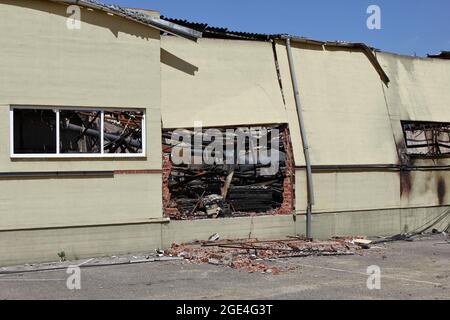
{"points": [[441, 190], [405, 174]]}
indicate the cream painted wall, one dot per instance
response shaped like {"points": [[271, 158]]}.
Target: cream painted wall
{"points": [[419, 88], [111, 62], [427, 189], [219, 82], [350, 191], [43, 203], [345, 113], [348, 119], [79, 243], [347, 123], [419, 91]]}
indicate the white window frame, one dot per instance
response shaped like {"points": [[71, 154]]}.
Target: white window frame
{"points": [[59, 155]]}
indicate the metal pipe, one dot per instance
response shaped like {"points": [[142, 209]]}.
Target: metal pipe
{"points": [[375, 167], [56, 174], [96, 133], [304, 141]]}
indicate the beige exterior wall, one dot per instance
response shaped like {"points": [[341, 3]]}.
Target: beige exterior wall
{"points": [[419, 88], [351, 118], [350, 191], [111, 63], [42, 203], [347, 109], [108, 62], [347, 123], [219, 82], [28, 246], [419, 91], [343, 106], [78, 243]]}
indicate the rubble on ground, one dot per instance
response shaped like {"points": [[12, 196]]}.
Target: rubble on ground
{"points": [[254, 255]]}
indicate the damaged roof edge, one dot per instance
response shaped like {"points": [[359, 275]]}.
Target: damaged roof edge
{"points": [[215, 32], [369, 52], [443, 55], [138, 17]]}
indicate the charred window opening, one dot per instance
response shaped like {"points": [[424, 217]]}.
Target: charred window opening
{"points": [[34, 131], [252, 172], [427, 139], [76, 133]]}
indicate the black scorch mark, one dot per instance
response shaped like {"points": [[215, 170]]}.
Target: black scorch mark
{"points": [[441, 190]]}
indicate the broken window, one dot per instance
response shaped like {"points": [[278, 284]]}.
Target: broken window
{"points": [[427, 139], [224, 172], [67, 132]]}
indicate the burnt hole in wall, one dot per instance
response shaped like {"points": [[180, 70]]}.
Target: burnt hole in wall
{"points": [[227, 172]]}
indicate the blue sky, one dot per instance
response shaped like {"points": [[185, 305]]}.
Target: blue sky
{"points": [[407, 26]]}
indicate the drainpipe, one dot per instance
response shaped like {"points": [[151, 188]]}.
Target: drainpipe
{"points": [[304, 140]]}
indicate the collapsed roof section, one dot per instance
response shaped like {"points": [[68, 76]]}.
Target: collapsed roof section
{"points": [[219, 32], [139, 17], [368, 51], [224, 33]]}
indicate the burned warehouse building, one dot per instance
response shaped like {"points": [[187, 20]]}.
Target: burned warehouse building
{"points": [[133, 131]]}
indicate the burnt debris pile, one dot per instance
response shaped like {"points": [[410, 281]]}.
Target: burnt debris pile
{"points": [[255, 255], [212, 173]]}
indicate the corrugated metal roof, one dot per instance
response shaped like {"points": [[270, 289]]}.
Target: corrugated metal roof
{"points": [[220, 32]]}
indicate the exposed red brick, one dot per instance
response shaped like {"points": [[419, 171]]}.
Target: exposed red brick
{"points": [[288, 205], [169, 207]]}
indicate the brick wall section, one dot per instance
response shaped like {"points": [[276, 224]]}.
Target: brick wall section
{"points": [[288, 206], [169, 208]]}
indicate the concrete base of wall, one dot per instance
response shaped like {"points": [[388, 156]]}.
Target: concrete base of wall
{"points": [[29, 246]]}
